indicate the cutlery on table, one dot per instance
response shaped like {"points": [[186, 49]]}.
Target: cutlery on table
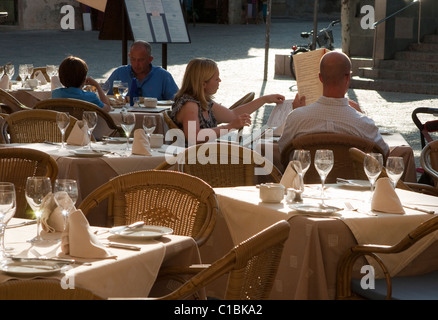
{"points": [[419, 209], [70, 261], [123, 246], [350, 207], [21, 224]]}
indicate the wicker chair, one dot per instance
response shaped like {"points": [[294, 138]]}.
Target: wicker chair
{"points": [[252, 266], [105, 124], [32, 126], [10, 103], [414, 287], [42, 289], [429, 160], [358, 156], [16, 164], [340, 144], [227, 165], [4, 137], [166, 198]]}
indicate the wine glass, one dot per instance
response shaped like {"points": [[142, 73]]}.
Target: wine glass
{"points": [[123, 90], [8, 206], [37, 191], [63, 121], [22, 72], [373, 165], [301, 161], [51, 70], [149, 125], [394, 169], [65, 192], [128, 124], [2, 71], [116, 92], [324, 160], [90, 118], [10, 70], [29, 71]]}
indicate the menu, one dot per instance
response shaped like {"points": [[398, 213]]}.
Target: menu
{"points": [[307, 73], [157, 21]]}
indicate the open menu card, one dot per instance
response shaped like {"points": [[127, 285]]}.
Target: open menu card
{"points": [[307, 74]]}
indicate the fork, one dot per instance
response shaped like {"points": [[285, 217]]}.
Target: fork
{"points": [[352, 208]]}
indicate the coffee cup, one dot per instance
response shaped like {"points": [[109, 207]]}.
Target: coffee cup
{"points": [[150, 102]]}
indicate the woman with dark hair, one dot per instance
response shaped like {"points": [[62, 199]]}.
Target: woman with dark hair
{"points": [[73, 76]]}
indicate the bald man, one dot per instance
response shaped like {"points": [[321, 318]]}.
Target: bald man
{"points": [[332, 112]]}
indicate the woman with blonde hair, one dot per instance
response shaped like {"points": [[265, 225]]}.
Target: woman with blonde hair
{"points": [[194, 110]]}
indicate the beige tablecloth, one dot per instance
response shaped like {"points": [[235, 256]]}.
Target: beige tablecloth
{"points": [[130, 274], [308, 266]]}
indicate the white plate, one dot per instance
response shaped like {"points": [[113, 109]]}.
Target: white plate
{"points": [[31, 268], [315, 209], [87, 153], [361, 184], [144, 232]]}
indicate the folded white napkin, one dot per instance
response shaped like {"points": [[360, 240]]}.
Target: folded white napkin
{"points": [[52, 219], [79, 241], [4, 82], [385, 199], [55, 82], [40, 77], [290, 178], [141, 145], [78, 135]]}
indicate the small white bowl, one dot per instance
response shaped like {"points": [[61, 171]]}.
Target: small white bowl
{"points": [[271, 192]]}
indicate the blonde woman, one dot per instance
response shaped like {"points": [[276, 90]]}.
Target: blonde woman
{"points": [[195, 112]]}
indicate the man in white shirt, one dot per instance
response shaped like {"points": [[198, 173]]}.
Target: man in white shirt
{"points": [[332, 112]]}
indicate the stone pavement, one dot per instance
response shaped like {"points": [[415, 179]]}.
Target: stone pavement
{"points": [[240, 53]]}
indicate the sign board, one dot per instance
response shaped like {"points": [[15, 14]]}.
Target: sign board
{"points": [[157, 21]]}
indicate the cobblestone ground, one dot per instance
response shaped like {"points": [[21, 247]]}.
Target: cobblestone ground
{"points": [[240, 53]]}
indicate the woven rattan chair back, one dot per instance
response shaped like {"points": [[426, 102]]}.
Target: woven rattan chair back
{"points": [[224, 165], [340, 144], [16, 164], [42, 289], [105, 124], [429, 160], [166, 198], [11, 104], [32, 126], [252, 267], [4, 136]]}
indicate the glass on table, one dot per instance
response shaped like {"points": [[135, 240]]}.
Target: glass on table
{"points": [[8, 206], [149, 125], [22, 73], [29, 71], [10, 70], [301, 161], [373, 165], [128, 124], [65, 192], [2, 71], [394, 169], [123, 90], [324, 160], [38, 189], [116, 92], [90, 118], [51, 70], [63, 121]]}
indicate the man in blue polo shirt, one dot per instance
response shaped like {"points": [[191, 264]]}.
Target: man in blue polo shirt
{"points": [[153, 82]]}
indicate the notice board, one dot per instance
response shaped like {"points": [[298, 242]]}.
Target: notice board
{"points": [[157, 21]]}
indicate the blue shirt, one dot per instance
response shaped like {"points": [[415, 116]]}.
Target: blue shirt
{"points": [[77, 93], [158, 83]]}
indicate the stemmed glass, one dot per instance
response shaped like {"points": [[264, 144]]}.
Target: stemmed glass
{"points": [[51, 70], [37, 190], [2, 71], [394, 169], [63, 121], [22, 72], [29, 71], [301, 161], [324, 160], [10, 70], [128, 124], [8, 205], [149, 125], [373, 165], [65, 192], [90, 118]]}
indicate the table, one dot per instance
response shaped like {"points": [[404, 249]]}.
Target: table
{"points": [[30, 97], [398, 147], [308, 265], [130, 274], [93, 172]]}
